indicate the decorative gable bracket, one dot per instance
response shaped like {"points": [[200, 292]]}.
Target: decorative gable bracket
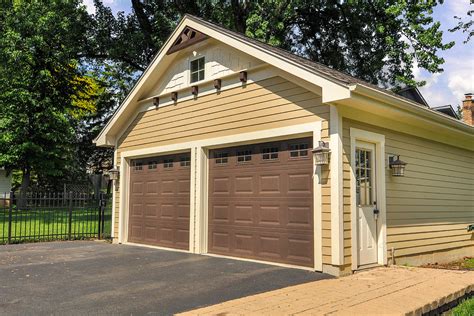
{"points": [[188, 37]]}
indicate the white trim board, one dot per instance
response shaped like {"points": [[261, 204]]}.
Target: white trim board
{"points": [[337, 187], [199, 178], [379, 141]]}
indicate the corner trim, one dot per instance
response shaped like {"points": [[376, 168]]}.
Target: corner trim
{"points": [[337, 187]]}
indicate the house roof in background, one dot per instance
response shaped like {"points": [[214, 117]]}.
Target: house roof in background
{"points": [[414, 94], [446, 109]]}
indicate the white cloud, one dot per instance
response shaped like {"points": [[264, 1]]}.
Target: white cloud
{"points": [[89, 6], [458, 7], [460, 83]]}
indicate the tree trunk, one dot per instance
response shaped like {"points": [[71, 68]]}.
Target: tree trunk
{"points": [[25, 184]]}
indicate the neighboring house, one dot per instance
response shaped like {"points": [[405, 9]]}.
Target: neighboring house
{"points": [[5, 182], [5, 187], [214, 150]]}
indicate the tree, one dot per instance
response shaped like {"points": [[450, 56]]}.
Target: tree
{"points": [[42, 85], [465, 26], [377, 41]]}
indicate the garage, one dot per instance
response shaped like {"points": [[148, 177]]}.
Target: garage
{"points": [[261, 202], [159, 201]]}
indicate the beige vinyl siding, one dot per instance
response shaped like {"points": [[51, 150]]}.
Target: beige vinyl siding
{"points": [[326, 202], [266, 104], [429, 209]]}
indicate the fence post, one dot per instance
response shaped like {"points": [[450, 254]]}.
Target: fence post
{"points": [[10, 215], [99, 200], [104, 204], [101, 216], [70, 216]]}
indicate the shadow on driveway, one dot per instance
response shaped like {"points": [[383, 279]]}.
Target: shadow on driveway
{"points": [[99, 278]]}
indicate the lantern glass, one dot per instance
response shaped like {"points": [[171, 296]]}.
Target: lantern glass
{"points": [[321, 158], [114, 174], [321, 154], [398, 167]]}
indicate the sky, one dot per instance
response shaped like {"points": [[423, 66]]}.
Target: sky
{"points": [[443, 88]]}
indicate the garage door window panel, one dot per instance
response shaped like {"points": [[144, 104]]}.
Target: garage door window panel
{"points": [[300, 150], [270, 153]]}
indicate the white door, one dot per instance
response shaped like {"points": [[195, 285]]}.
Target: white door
{"points": [[367, 212]]}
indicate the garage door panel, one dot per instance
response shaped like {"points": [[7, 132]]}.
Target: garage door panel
{"points": [[137, 188], [151, 211], [269, 215], [270, 184], [221, 185], [159, 201], [244, 185], [136, 210], [220, 241], [299, 183], [299, 217], [243, 214], [244, 243], [151, 188], [262, 208]]}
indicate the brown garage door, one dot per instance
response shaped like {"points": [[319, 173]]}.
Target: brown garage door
{"points": [[159, 201], [261, 202]]}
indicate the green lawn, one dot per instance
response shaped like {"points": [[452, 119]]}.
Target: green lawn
{"points": [[469, 263], [466, 308], [52, 224]]}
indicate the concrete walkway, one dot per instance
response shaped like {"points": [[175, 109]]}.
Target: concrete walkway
{"points": [[382, 291]]}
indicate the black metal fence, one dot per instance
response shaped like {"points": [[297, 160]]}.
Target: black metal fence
{"points": [[35, 216]]}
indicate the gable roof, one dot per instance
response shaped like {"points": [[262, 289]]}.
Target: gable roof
{"points": [[339, 85]]}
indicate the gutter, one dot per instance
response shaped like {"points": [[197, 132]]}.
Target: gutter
{"points": [[414, 108]]}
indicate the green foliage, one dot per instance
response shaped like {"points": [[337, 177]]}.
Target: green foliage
{"points": [[41, 85], [465, 26], [377, 41], [466, 308]]}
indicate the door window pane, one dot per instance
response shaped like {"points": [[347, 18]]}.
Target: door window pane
{"points": [[364, 181]]}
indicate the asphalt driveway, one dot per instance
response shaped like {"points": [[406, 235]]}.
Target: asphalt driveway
{"points": [[98, 278]]}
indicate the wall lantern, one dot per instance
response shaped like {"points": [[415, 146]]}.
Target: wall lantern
{"points": [[114, 174], [397, 166], [156, 101], [243, 76], [217, 84], [174, 96], [194, 90], [321, 154]]}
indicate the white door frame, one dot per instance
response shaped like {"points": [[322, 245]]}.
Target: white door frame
{"points": [[199, 179], [379, 141]]}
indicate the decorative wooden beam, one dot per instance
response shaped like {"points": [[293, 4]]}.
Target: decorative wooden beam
{"points": [[217, 84], [174, 96], [194, 90], [243, 76], [188, 37], [156, 101]]}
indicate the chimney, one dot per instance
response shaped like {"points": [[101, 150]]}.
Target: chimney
{"points": [[468, 109]]}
